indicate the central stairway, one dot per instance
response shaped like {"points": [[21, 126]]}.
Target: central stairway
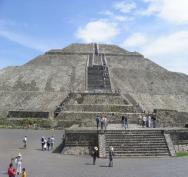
{"points": [[136, 143]]}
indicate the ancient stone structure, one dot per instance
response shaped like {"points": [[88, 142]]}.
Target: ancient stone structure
{"points": [[72, 85], [43, 83]]}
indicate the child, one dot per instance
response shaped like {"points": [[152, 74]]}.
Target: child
{"points": [[23, 174]]}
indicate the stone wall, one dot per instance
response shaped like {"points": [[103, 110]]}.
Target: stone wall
{"points": [[171, 118], [179, 139], [99, 108], [80, 142], [27, 114]]}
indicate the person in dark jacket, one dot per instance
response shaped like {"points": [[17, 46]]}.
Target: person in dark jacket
{"points": [[94, 154], [111, 156]]}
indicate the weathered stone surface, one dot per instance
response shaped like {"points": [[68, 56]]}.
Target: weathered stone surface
{"points": [[42, 83]]}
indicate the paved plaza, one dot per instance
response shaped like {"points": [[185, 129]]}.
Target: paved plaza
{"points": [[47, 164]]}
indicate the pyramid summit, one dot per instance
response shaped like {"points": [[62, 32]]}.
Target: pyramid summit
{"points": [[45, 81]]}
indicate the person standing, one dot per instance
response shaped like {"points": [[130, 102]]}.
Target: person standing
{"points": [[42, 142], [122, 120], [48, 143], [23, 174], [125, 122], [111, 156], [105, 122], [11, 171], [94, 154], [18, 162], [97, 121], [25, 142], [52, 142]]}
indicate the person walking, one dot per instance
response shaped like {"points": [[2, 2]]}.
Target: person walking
{"points": [[94, 154], [111, 156], [25, 142], [11, 171]]}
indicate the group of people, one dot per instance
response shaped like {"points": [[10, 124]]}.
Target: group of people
{"points": [[12, 171], [94, 154], [47, 143], [102, 122], [147, 120]]}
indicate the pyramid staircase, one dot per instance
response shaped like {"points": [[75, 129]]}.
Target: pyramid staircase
{"points": [[138, 143], [97, 72]]}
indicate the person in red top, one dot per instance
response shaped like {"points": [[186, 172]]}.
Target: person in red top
{"points": [[11, 171]]}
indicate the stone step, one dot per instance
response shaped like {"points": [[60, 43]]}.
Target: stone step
{"points": [[134, 141], [98, 108], [139, 151], [134, 136], [143, 131], [140, 155], [138, 147]]}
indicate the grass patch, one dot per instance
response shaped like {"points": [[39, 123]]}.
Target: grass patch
{"points": [[181, 154]]}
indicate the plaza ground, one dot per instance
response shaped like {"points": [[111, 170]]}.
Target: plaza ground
{"points": [[47, 164]]}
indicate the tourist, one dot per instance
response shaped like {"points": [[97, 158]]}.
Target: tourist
{"points": [[11, 171], [52, 142], [149, 121], [144, 121], [97, 121], [42, 142], [111, 156], [125, 122], [45, 144], [48, 143], [18, 162], [122, 120], [23, 174], [94, 154], [102, 122], [105, 122], [25, 141], [153, 118]]}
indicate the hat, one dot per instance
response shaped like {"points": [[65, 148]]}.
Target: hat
{"points": [[19, 154], [96, 148]]}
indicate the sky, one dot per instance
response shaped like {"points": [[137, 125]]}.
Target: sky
{"points": [[156, 28]]}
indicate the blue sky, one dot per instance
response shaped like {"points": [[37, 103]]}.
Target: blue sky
{"points": [[156, 28]]}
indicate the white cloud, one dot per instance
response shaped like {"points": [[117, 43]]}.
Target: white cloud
{"points": [[98, 31], [136, 40], [125, 7], [29, 42], [174, 11], [116, 17], [173, 44], [154, 7], [170, 51]]}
